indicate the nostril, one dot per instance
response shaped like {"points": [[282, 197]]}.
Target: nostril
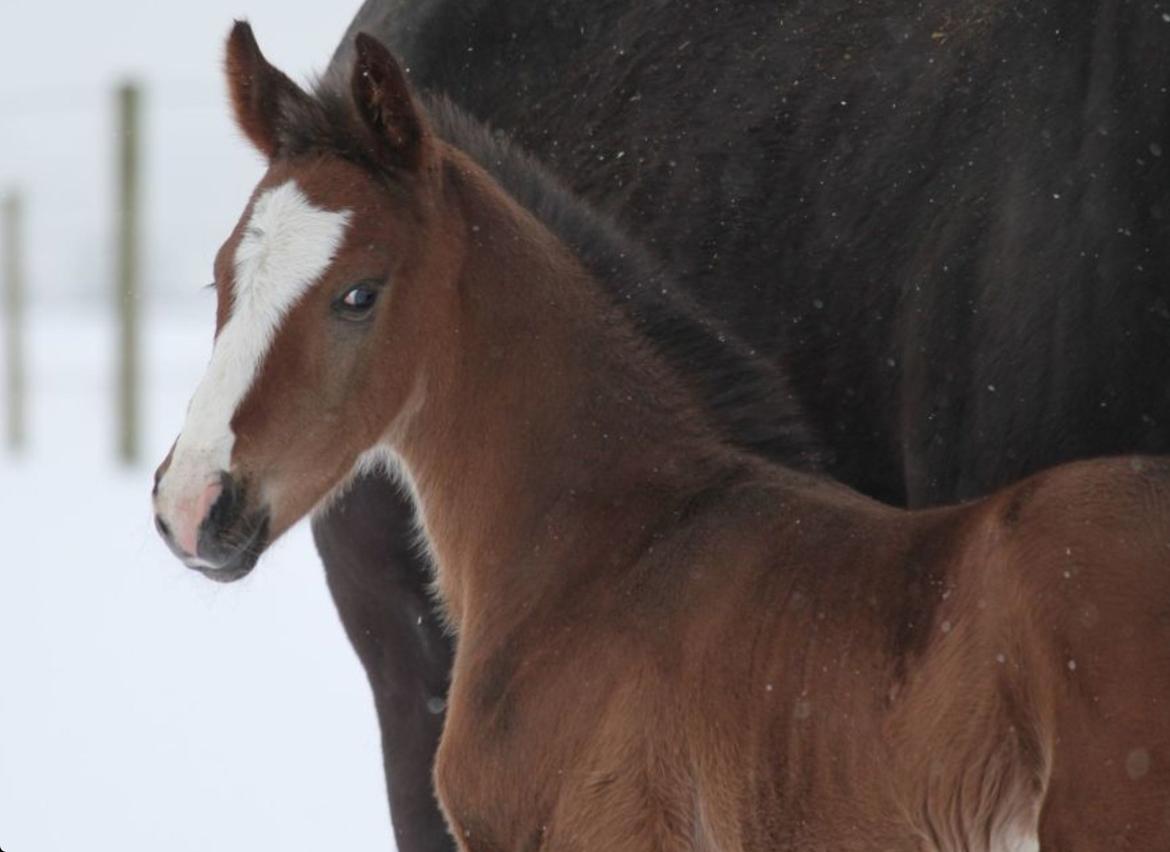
{"points": [[162, 527], [226, 503]]}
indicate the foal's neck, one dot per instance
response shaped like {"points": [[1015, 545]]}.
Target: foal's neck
{"points": [[545, 421]]}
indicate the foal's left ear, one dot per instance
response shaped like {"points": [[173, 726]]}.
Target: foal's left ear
{"points": [[383, 100], [261, 95]]}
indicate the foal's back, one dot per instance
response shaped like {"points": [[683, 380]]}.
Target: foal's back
{"points": [[977, 678]]}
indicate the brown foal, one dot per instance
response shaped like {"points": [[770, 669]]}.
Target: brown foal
{"points": [[663, 643]]}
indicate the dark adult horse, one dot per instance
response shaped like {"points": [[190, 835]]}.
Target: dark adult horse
{"points": [[946, 221]]}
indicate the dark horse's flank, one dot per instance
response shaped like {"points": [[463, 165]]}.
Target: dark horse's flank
{"points": [[947, 222]]}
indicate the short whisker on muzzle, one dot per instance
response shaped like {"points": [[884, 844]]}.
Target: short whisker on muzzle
{"points": [[241, 539]]}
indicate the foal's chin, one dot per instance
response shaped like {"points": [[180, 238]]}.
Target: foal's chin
{"points": [[229, 573]]}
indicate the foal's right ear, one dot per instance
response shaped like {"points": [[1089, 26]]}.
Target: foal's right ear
{"points": [[261, 95], [386, 106]]}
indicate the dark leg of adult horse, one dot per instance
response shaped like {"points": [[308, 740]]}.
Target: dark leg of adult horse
{"points": [[380, 584]]}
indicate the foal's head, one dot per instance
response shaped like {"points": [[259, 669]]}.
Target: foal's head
{"points": [[322, 327]]}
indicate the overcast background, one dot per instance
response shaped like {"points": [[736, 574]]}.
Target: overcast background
{"points": [[141, 706], [59, 65]]}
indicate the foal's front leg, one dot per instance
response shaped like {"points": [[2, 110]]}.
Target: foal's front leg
{"points": [[380, 586]]}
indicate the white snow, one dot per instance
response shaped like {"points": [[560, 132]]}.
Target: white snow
{"points": [[143, 707]]}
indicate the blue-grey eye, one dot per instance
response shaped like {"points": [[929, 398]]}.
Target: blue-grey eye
{"points": [[357, 300]]}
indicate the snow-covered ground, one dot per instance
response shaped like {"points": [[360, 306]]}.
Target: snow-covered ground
{"points": [[143, 707]]}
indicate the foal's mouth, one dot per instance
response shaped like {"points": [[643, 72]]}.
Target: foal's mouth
{"points": [[233, 557]]}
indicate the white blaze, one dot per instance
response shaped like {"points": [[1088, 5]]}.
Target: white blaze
{"points": [[286, 247]]}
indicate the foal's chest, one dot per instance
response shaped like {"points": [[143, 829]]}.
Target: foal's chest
{"points": [[534, 757]]}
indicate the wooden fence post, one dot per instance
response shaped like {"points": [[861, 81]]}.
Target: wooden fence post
{"points": [[14, 321], [127, 296]]}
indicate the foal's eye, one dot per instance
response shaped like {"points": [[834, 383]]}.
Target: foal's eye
{"points": [[357, 301]]}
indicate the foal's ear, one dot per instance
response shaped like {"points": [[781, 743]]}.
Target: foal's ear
{"points": [[261, 95], [383, 100]]}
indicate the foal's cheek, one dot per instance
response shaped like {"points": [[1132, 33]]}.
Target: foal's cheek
{"points": [[351, 384]]}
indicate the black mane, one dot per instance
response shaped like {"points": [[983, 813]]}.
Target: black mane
{"points": [[750, 399]]}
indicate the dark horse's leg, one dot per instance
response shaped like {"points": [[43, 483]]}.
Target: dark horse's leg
{"points": [[380, 585]]}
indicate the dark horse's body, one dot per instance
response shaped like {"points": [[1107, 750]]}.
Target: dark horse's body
{"points": [[948, 222]]}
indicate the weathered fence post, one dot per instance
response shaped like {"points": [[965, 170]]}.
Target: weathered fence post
{"points": [[14, 321], [128, 105]]}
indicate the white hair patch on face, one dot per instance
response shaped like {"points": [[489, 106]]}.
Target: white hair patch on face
{"points": [[287, 245]]}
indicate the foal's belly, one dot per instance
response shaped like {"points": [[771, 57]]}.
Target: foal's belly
{"points": [[625, 813], [594, 776]]}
